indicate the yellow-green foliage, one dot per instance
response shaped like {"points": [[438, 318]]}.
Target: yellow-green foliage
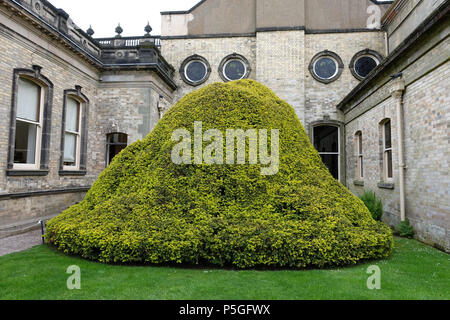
{"points": [[143, 208]]}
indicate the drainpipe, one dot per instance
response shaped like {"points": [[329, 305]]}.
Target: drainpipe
{"points": [[397, 90]]}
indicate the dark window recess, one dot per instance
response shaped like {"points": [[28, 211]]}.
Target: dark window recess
{"points": [[235, 70], [389, 164], [116, 142], [326, 141], [325, 68], [196, 71], [25, 145], [387, 135], [332, 162], [364, 65]]}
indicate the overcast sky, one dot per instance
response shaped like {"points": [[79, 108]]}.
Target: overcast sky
{"points": [[104, 15]]}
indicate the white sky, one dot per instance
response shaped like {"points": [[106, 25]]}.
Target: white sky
{"points": [[104, 15]]}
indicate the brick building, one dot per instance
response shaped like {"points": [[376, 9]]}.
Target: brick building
{"points": [[366, 78]]}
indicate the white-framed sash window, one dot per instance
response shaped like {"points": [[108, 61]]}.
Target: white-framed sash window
{"points": [[28, 126], [388, 172], [72, 134], [360, 156]]}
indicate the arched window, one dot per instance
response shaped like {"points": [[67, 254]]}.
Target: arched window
{"points": [[115, 143], [74, 133], [388, 172], [29, 120], [30, 123], [359, 156], [326, 141]]}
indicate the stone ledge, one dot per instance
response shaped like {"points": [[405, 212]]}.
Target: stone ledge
{"points": [[386, 185], [27, 173], [23, 226], [72, 173], [9, 196], [358, 183]]}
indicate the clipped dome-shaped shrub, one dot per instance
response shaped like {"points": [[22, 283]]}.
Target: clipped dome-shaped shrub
{"points": [[144, 208]]}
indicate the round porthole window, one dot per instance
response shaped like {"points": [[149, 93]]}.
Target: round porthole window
{"points": [[364, 62], [234, 70], [234, 67], [195, 70], [326, 67]]}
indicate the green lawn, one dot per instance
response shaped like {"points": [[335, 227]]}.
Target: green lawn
{"points": [[415, 271]]}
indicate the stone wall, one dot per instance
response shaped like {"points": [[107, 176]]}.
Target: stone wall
{"points": [[405, 16], [131, 103], [175, 51], [321, 99], [18, 52], [281, 66], [127, 101], [425, 69]]}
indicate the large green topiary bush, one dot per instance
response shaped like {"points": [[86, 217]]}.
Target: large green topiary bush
{"points": [[146, 209]]}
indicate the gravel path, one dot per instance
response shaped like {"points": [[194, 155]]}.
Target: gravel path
{"points": [[20, 242]]}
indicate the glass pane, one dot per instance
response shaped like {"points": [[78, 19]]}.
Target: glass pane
{"points": [[70, 147], [364, 65], [360, 150], [72, 115], [118, 138], [332, 162], [326, 139], [361, 166], [25, 146], [235, 70], [325, 68], [387, 135], [196, 71], [28, 100], [114, 150], [389, 164]]}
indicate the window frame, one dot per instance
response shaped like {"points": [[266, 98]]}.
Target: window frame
{"points": [[77, 135], [109, 144], [359, 156], [232, 57], [386, 152], [79, 169], [325, 57], [341, 151], [186, 71], [42, 154], [38, 124], [364, 53], [188, 61], [326, 54]]}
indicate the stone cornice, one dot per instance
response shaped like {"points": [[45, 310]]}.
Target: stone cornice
{"points": [[439, 15], [149, 55]]}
